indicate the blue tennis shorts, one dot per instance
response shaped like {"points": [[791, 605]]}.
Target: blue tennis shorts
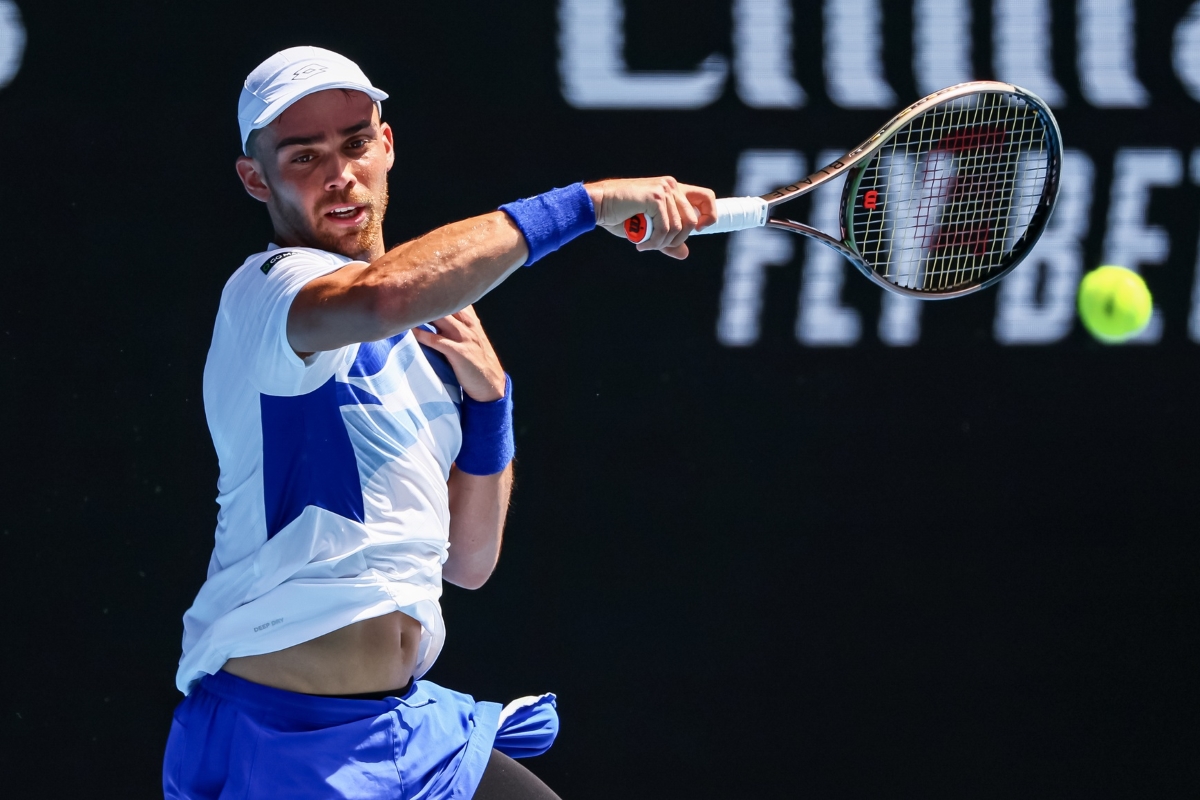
{"points": [[231, 738]]}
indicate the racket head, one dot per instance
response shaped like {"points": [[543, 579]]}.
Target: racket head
{"points": [[955, 192]]}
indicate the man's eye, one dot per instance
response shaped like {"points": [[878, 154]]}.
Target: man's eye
{"points": [[359, 143], [304, 159]]}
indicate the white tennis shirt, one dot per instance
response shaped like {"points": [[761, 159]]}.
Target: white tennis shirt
{"points": [[333, 499]]}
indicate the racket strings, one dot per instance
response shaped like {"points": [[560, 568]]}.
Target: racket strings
{"points": [[950, 195]]}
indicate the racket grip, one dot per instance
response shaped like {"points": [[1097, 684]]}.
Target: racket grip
{"points": [[733, 214]]}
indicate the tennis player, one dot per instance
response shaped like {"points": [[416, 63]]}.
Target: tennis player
{"points": [[364, 428]]}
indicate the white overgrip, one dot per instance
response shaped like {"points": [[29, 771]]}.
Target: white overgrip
{"points": [[733, 214], [737, 214]]}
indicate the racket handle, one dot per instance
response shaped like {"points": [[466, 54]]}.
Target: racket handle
{"points": [[733, 214]]}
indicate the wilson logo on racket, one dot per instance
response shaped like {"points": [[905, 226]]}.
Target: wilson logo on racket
{"points": [[871, 200], [636, 228]]}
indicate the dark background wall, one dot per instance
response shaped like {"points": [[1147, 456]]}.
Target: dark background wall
{"points": [[956, 568]]}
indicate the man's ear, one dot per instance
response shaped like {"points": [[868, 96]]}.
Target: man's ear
{"points": [[252, 177], [389, 144]]}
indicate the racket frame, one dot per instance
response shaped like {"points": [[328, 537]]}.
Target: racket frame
{"points": [[856, 162]]}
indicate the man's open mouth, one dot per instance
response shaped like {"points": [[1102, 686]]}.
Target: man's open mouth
{"points": [[348, 213]]}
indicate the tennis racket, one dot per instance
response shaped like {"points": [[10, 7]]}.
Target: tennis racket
{"points": [[944, 200]]}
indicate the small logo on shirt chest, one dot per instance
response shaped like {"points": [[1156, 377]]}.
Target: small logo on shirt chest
{"points": [[273, 260]]}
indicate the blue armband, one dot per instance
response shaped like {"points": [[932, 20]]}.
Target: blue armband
{"points": [[487, 434], [550, 220]]}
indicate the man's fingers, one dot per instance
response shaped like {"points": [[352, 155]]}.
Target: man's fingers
{"points": [[423, 336], [704, 201], [673, 224], [690, 214], [680, 252], [467, 315], [437, 341], [687, 220], [451, 327], [660, 219]]}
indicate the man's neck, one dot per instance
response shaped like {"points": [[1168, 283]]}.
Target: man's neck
{"points": [[284, 240]]}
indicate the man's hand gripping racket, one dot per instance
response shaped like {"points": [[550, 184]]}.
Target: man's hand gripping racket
{"points": [[679, 207], [945, 199]]}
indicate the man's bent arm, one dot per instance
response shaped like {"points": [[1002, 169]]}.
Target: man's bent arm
{"points": [[478, 506]]}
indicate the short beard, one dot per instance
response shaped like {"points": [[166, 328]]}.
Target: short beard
{"points": [[364, 243]]}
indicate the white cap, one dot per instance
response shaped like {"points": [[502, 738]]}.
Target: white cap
{"points": [[292, 74]]}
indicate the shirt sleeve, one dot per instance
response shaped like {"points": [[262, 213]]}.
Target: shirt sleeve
{"points": [[256, 308]]}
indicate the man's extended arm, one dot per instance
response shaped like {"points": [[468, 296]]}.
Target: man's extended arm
{"points": [[450, 268]]}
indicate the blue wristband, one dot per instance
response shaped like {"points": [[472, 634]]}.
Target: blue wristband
{"points": [[550, 220], [487, 434]]}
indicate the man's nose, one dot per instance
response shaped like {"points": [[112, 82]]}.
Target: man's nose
{"points": [[342, 176]]}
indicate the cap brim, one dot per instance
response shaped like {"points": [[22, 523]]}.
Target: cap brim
{"points": [[277, 107]]}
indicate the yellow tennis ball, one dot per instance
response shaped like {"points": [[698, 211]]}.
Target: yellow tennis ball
{"points": [[1114, 304]]}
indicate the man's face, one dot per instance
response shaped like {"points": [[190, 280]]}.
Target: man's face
{"points": [[321, 167]]}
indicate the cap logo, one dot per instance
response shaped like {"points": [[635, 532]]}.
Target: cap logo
{"points": [[309, 70]]}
